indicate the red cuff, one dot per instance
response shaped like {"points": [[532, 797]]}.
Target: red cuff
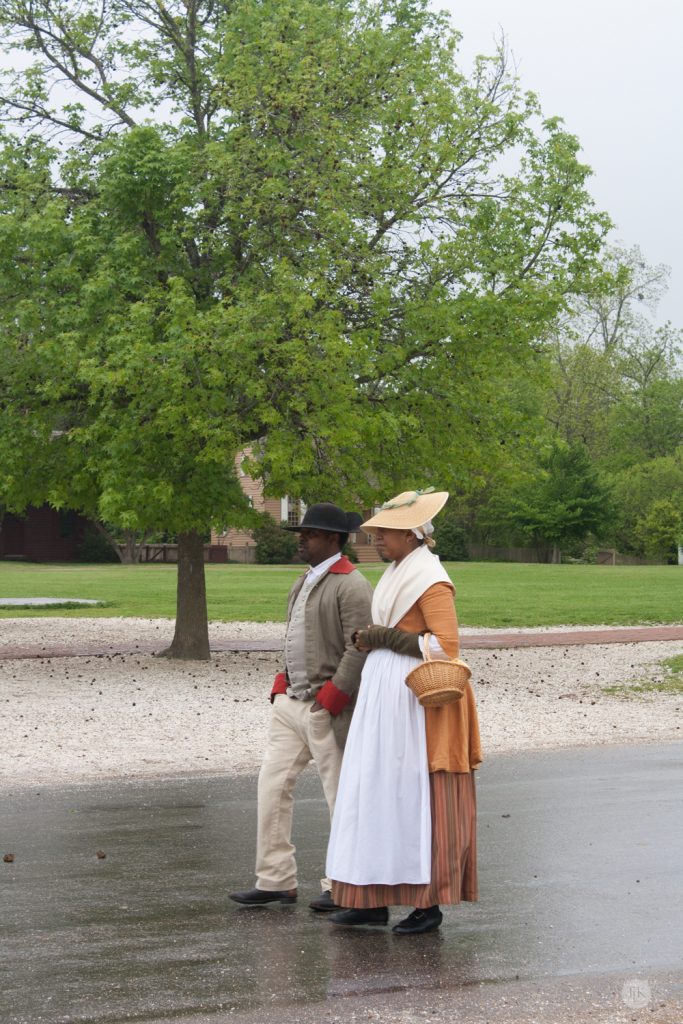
{"points": [[332, 698], [280, 685]]}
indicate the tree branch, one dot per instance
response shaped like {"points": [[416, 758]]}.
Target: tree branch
{"points": [[64, 57], [42, 115]]}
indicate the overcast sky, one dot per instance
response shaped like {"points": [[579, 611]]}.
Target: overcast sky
{"points": [[613, 70]]}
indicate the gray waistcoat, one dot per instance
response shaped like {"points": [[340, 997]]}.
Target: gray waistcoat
{"points": [[295, 644]]}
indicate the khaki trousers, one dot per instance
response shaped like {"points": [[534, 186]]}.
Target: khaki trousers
{"points": [[296, 736]]}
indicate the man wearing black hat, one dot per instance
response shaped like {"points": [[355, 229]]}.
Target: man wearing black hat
{"points": [[312, 699]]}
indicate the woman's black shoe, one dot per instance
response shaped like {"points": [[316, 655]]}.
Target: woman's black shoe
{"points": [[371, 915], [419, 921]]}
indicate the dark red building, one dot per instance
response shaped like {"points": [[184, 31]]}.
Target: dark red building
{"points": [[42, 535]]}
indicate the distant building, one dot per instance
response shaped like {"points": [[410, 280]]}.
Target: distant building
{"points": [[47, 535], [42, 535], [242, 546]]}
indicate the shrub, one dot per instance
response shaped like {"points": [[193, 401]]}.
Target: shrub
{"points": [[350, 553], [95, 548], [451, 543], [274, 545], [660, 530]]}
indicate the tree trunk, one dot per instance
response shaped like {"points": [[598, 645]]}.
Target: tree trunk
{"points": [[127, 549], [110, 539], [130, 552], [191, 638]]}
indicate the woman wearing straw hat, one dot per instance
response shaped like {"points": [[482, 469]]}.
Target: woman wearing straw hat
{"points": [[404, 825]]}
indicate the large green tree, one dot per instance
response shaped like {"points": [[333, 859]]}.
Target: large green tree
{"points": [[293, 224], [562, 501], [616, 385], [636, 490]]}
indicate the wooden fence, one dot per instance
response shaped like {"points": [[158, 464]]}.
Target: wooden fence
{"points": [[168, 553]]}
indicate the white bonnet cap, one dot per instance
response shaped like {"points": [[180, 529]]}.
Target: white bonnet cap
{"points": [[425, 532]]}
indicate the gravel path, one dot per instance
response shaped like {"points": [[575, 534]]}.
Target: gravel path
{"points": [[134, 716]]}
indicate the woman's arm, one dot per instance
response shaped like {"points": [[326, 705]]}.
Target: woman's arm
{"points": [[438, 610], [387, 636]]}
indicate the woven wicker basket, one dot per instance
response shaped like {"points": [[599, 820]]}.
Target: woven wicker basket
{"points": [[435, 683]]}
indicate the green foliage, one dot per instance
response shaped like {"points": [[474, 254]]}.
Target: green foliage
{"points": [[616, 383], [661, 530], [94, 548], [450, 537], [648, 422], [636, 490], [563, 501], [315, 253], [350, 553], [274, 545]]}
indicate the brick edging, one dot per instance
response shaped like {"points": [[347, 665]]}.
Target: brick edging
{"points": [[482, 641]]}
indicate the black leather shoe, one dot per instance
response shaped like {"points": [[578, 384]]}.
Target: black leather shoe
{"points": [[371, 915], [419, 921], [258, 897], [324, 903]]}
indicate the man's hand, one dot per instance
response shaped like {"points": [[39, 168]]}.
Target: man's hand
{"points": [[316, 707]]}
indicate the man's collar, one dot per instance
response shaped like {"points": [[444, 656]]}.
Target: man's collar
{"points": [[343, 566], [322, 567]]}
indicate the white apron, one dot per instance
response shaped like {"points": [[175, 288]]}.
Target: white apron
{"points": [[381, 826]]}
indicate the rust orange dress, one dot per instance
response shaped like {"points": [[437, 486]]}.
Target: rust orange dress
{"points": [[453, 753]]}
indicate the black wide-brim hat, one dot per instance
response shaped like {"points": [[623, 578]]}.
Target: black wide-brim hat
{"points": [[326, 516]]}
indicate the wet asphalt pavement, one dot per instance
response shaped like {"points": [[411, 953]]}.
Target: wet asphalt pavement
{"points": [[580, 867]]}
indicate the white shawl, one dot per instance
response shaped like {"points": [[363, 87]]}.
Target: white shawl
{"points": [[404, 583]]}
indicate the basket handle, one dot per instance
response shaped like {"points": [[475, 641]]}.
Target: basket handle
{"points": [[426, 654]]}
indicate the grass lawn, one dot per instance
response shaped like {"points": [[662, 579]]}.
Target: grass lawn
{"points": [[489, 593]]}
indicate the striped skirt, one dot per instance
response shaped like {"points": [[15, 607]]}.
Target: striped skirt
{"points": [[454, 853]]}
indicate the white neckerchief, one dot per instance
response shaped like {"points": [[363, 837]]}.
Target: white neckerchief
{"points": [[322, 567], [403, 583]]}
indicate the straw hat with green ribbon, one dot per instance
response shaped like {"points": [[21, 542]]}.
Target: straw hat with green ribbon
{"points": [[407, 510]]}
